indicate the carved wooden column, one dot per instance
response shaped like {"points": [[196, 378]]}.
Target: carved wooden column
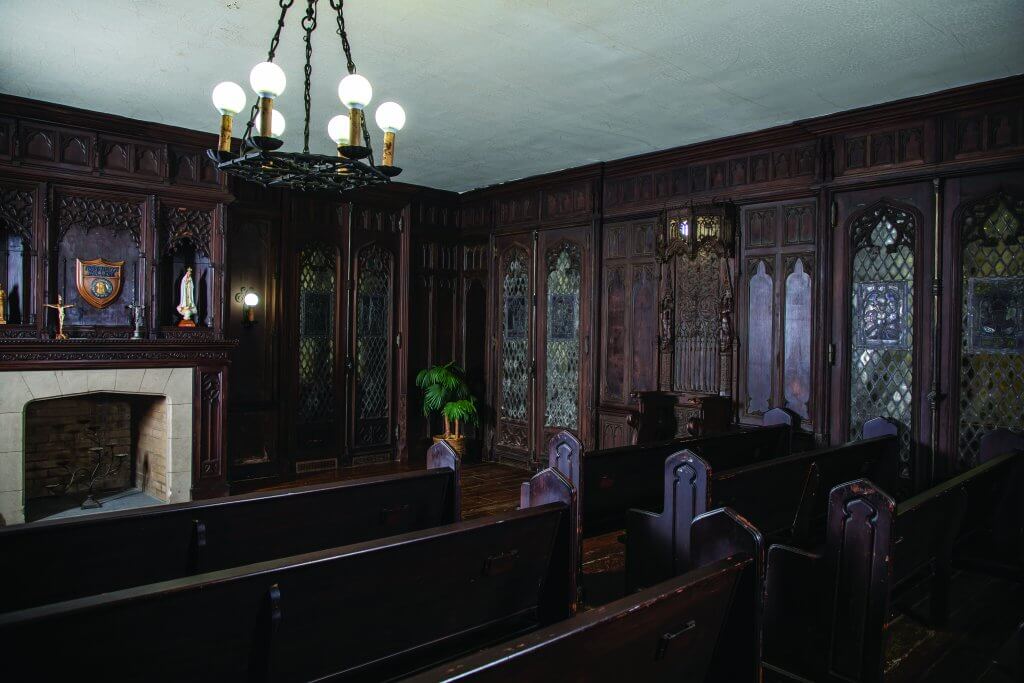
{"points": [[209, 443]]}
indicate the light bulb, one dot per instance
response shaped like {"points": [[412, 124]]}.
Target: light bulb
{"points": [[337, 129], [251, 299], [354, 91], [276, 124], [267, 79], [228, 98], [390, 117]]}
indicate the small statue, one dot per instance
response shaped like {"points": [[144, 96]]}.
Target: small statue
{"points": [[60, 306], [3, 306], [187, 303], [137, 319]]}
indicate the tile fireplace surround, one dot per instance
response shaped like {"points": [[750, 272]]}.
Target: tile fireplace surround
{"points": [[19, 388], [190, 375]]}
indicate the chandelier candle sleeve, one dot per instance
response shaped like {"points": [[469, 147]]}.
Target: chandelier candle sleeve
{"points": [[355, 92], [390, 118]]}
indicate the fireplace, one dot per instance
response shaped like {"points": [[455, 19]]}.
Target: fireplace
{"points": [[91, 451], [50, 419]]}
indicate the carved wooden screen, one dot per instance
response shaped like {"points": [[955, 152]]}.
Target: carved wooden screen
{"points": [[882, 321], [317, 315], [992, 325], [699, 294], [629, 329], [373, 301], [562, 337], [515, 356], [776, 305]]}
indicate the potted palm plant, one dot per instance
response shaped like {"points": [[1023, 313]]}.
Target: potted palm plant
{"points": [[445, 391]]}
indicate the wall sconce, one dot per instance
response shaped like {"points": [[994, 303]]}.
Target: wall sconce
{"points": [[249, 300]]}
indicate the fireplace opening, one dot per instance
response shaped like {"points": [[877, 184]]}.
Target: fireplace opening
{"points": [[94, 453]]}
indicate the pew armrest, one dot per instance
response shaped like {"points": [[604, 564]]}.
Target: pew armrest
{"points": [[648, 557], [794, 633]]}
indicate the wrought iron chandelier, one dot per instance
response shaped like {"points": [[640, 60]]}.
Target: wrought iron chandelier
{"points": [[260, 161]]}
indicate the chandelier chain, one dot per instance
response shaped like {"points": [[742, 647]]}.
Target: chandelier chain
{"points": [[308, 25], [285, 5]]}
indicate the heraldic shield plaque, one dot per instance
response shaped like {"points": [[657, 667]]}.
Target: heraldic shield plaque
{"points": [[99, 281]]}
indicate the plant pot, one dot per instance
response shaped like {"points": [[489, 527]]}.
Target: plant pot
{"points": [[458, 443]]}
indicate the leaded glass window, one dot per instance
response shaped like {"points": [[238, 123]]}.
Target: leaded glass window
{"points": [[515, 345], [992, 339], [882, 321], [317, 297], [562, 371], [372, 367]]}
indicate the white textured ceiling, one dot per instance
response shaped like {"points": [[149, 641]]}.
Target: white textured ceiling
{"points": [[502, 89]]}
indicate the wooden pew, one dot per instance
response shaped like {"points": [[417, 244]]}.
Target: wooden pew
{"points": [[993, 536], [65, 559], [611, 481], [826, 612], [370, 611], [783, 497], [701, 626]]}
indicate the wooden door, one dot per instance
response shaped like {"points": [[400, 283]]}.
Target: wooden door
{"points": [[563, 333], [515, 363], [881, 317]]}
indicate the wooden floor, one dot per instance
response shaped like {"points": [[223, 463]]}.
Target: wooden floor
{"points": [[979, 645]]}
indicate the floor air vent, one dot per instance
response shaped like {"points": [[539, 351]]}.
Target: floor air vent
{"points": [[309, 466]]}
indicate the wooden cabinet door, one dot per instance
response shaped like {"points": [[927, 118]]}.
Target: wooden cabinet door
{"points": [[563, 333], [374, 286], [881, 317], [515, 363]]}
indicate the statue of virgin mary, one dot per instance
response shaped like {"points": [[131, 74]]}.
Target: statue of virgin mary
{"points": [[187, 300]]}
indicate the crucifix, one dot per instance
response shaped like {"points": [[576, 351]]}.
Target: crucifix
{"points": [[60, 307]]}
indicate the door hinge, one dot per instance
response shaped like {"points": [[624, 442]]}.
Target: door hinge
{"points": [[831, 354], [398, 340]]}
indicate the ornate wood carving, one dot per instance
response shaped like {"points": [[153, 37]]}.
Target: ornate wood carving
{"points": [[187, 226], [799, 224], [567, 201], [89, 213], [16, 211], [761, 228], [518, 209]]}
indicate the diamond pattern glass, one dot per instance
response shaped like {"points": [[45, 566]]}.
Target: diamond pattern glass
{"points": [[882, 311], [562, 371], [373, 308], [317, 297], [515, 372], [992, 342]]}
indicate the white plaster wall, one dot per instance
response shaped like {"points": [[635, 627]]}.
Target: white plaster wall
{"points": [[17, 389], [501, 89]]}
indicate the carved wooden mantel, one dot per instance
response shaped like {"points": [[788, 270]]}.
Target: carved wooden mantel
{"points": [[209, 359]]}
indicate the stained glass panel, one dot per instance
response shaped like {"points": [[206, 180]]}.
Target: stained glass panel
{"points": [[797, 372], [515, 371], [373, 312], [759, 347], [562, 375], [882, 320], [992, 340], [317, 297]]}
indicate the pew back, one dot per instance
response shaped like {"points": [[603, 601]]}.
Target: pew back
{"points": [[611, 481], [66, 559], [782, 497], [826, 613], [701, 626], [370, 611]]}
